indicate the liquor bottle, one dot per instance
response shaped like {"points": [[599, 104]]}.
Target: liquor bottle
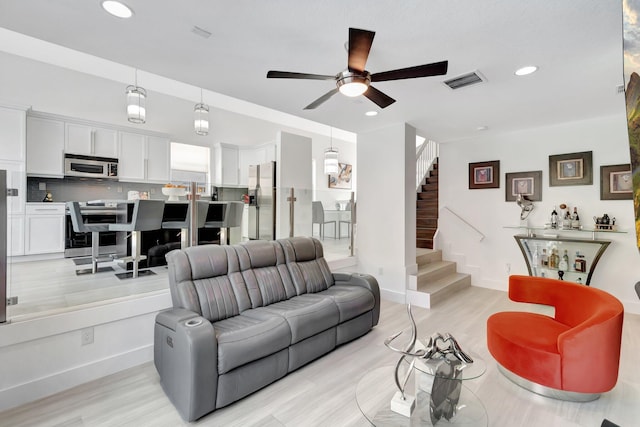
{"points": [[564, 262], [545, 258], [575, 221], [554, 218]]}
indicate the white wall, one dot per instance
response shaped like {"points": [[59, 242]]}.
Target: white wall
{"points": [[43, 356], [529, 150], [386, 228], [293, 170]]}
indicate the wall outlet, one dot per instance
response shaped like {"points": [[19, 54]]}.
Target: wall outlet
{"points": [[86, 336]]}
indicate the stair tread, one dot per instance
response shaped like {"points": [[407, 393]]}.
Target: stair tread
{"points": [[433, 266], [436, 285]]}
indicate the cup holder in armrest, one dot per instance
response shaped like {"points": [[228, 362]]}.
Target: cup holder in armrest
{"points": [[193, 323]]}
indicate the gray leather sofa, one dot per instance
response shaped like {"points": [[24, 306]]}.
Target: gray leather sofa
{"points": [[246, 315]]}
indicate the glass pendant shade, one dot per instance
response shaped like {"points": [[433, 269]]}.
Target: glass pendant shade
{"points": [[201, 119], [136, 101], [331, 161]]}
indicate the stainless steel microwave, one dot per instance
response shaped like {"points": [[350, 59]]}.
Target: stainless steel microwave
{"points": [[90, 167]]}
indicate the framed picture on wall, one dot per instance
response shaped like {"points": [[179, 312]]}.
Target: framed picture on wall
{"points": [[616, 182], [484, 175], [571, 169], [526, 183], [342, 179]]}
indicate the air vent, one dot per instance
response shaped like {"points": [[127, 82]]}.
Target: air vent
{"points": [[200, 32], [464, 80]]}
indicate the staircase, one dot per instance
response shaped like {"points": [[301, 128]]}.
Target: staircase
{"points": [[427, 210], [436, 279]]}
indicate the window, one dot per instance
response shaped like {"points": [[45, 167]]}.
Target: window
{"points": [[190, 163]]}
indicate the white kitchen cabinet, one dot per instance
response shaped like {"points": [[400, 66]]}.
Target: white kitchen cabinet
{"points": [[226, 166], [158, 163], [44, 228], [132, 157], [15, 235], [143, 158], [90, 140], [45, 147], [12, 134]]}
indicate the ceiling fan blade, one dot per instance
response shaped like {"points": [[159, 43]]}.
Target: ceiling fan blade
{"points": [[359, 46], [435, 69], [322, 99], [381, 99], [290, 75]]}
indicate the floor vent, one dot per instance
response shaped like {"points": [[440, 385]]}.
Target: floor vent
{"points": [[464, 80]]}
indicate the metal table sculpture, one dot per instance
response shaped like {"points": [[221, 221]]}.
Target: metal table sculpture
{"points": [[444, 355]]}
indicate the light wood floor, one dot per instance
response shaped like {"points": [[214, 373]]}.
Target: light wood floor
{"points": [[322, 393]]}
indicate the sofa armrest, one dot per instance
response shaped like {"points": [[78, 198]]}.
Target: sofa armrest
{"points": [[365, 281], [185, 355]]}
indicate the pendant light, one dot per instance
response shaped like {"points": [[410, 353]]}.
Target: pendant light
{"points": [[201, 117], [136, 101], [331, 158]]}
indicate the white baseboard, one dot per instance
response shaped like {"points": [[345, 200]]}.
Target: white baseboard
{"points": [[393, 296], [60, 381]]}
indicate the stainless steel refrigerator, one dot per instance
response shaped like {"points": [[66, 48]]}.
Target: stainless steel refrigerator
{"points": [[262, 201]]}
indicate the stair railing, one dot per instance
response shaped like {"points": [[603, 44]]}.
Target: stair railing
{"points": [[425, 158], [464, 221]]}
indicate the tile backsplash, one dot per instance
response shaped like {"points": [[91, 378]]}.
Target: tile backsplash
{"points": [[81, 190]]}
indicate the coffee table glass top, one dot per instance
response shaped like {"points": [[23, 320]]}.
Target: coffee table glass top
{"points": [[375, 391], [470, 371]]}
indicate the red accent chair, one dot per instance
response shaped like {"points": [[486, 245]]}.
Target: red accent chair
{"points": [[573, 355]]}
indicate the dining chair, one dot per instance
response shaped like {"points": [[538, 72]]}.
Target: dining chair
{"points": [[317, 217]]}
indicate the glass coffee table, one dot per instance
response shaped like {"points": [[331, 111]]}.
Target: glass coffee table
{"points": [[377, 387]]}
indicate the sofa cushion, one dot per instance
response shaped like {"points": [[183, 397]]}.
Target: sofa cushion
{"points": [[264, 272], [307, 315], [352, 301], [306, 264], [243, 339], [206, 280]]}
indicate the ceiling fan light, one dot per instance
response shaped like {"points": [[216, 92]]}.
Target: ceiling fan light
{"points": [[331, 161], [136, 101], [201, 119], [352, 84]]}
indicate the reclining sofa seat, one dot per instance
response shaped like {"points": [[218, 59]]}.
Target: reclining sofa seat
{"points": [[246, 315]]}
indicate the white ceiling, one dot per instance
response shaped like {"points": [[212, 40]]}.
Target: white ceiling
{"points": [[576, 43]]}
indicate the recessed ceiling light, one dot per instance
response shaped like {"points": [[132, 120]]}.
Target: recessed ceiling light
{"points": [[480, 128], [117, 9], [526, 70], [371, 113]]}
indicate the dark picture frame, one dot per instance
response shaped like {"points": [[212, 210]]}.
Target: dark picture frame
{"points": [[341, 180], [526, 183], [571, 169], [616, 182], [484, 175]]}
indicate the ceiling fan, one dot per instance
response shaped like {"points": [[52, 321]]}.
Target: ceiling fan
{"points": [[355, 80]]}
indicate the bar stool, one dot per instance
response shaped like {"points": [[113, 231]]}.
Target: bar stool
{"points": [[231, 217], [183, 225], [147, 216], [79, 226]]}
